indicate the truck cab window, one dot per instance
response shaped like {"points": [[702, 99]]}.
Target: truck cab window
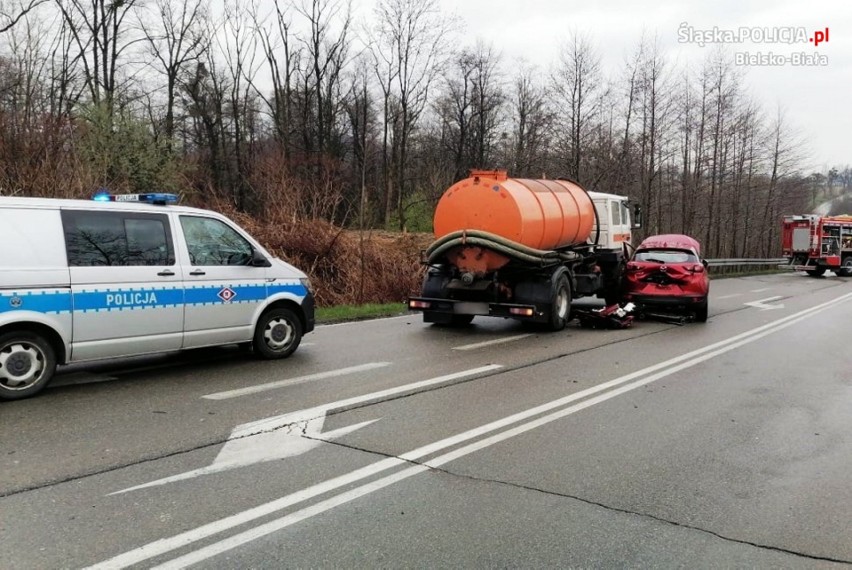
{"points": [[212, 242], [615, 207], [625, 214]]}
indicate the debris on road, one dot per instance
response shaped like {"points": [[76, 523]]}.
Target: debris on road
{"points": [[611, 317]]}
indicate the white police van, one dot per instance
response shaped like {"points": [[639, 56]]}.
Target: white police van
{"points": [[128, 275]]}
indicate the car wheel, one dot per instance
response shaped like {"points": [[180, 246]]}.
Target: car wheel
{"points": [[701, 312], [27, 363], [560, 305], [278, 334]]}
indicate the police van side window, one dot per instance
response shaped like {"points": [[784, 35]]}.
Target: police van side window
{"points": [[212, 242], [117, 238]]}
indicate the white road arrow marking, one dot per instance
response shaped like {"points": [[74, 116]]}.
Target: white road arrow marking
{"points": [[763, 306], [295, 433]]}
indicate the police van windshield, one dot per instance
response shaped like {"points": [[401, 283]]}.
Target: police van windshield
{"points": [[212, 242]]}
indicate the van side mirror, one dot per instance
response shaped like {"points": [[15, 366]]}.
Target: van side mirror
{"points": [[259, 260], [637, 216]]}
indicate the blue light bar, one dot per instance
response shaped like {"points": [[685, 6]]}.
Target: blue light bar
{"points": [[159, 198]]}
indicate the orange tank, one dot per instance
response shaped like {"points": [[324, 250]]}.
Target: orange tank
{"points": [[542, 214]]}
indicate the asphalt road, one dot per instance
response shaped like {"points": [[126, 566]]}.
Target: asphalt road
{"points": [[392, 443]]}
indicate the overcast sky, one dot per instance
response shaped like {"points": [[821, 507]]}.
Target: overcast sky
{"points": [[816, 100]]}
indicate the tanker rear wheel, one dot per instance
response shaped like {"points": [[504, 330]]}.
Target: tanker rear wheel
{"points": [[560, 305]]}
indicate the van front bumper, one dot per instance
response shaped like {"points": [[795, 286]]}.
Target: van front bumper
{"points": [[308, 310]]}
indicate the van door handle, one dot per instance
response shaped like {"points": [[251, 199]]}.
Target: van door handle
{"points": [[166, 273], [197, 272]]}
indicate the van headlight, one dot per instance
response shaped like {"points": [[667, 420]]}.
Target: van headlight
{"points": [[306, 283]]}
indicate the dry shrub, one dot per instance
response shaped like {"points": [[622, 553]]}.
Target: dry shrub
{"points": [[346, 267]]}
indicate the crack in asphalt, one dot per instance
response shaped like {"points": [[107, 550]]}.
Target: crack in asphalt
{"points": [[644, 515], [588, 502]]}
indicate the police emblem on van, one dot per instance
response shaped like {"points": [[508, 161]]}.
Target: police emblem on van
{"points": [[16, 302], [227, 294]]}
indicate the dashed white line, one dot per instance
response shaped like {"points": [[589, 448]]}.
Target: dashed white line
{"points": [[731, 296], [298, 380], [491, 342], [761, 290]]}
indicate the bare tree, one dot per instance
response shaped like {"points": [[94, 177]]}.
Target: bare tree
{"points": [[327, 55], [414, 31], [532, 119], [282, 59], [102, 33], [175, 40], [12, 12], [575, 81]]}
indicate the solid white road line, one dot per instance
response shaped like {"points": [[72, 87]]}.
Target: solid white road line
{"points": [[491, 342], [298, 380], [348, 496], [651, 374]]}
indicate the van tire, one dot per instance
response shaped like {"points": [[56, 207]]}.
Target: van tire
{"points": [[27, 363], [278, 334]]}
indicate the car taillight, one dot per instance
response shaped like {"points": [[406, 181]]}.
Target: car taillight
{"points": [[698, 269], [632, 267]]}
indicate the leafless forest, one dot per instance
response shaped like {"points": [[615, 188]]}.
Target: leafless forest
{"points": [[300, 111]]}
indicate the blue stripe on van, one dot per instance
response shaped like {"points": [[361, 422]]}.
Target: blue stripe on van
{"points": [[50, 301], [61, 301]]}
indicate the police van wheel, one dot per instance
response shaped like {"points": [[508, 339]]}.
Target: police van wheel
{"points": [[27, 363], [278, 334]]}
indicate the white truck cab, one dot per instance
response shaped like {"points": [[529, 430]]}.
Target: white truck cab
{"points": [[132, 274], [613, 221]]}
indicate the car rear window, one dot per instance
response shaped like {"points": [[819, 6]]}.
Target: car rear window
{"points": [[665, 256]]}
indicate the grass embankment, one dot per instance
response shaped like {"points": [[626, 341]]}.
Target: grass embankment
{"points": [[342, 313]]}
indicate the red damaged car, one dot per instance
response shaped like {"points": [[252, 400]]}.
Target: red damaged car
{"points": [[667, 273]]}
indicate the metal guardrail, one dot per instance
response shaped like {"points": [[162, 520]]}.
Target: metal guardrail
{"points": [[733, 265], [744, 261]]}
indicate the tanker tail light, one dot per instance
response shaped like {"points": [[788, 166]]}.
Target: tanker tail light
{"points": [[522, 311], [415, 304]]}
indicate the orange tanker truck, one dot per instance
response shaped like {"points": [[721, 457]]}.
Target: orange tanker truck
{"points": [[522, 249]]}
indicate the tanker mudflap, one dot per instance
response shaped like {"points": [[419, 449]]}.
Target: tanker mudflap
{"points": [[610, 317]]}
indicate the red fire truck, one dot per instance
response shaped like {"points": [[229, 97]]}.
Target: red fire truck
{"points": [[815, 244]]}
